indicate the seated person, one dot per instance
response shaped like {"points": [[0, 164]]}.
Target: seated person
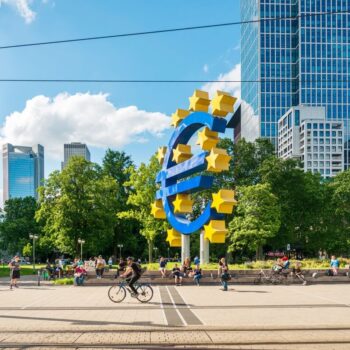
{"points": [[121, 267], [334, 266], [176, 272], [186, 268], [197, 274], [298, 273], [79, 275], [285, 263], [277, 268]]}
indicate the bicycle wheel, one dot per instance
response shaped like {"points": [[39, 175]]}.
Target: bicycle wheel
{"points": [[257, 280], [145, 293], [117, 294]]}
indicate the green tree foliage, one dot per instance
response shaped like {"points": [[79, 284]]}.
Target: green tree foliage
{"points": [[142, 193], [301, 196], [78, 202], [247, 159], [116, 164], [257, 218], [18, 222]]}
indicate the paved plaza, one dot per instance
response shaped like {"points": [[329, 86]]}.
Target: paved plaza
{"points": [[245, 317]]}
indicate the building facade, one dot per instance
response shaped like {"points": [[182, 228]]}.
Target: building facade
{"points": [[303, 59], [306, 135], [75, 149], [23, 170]]}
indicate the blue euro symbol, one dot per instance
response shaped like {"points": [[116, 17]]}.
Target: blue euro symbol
{"points": [[171, 174]]}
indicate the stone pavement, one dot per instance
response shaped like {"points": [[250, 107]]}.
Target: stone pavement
{"points": [[245, 317]]}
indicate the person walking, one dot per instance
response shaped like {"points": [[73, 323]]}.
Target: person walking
{"points": [[110, 263], [224, 275], [162, 267], [15, 273], [197, 274]]}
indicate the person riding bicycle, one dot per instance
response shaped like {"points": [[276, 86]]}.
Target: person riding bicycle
{"points": [[134, 276]]}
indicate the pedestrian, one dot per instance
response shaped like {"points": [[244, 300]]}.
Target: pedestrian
{"points": [[162, 267], [100, 266], [15, 273], [225, 277], [176, 272], [110, 262], [197, 274], [196, 260]]}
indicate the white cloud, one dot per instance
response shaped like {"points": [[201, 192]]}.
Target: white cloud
{"points": [[234, 88], [205, 68], [84, 117], [23, 8]]}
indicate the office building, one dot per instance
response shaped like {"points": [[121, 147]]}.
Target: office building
{"points": [[23, 170], [304, 134], [293, 61], [75, 149]]}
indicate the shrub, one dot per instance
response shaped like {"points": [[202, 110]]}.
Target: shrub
{"points": [[64, 281]]}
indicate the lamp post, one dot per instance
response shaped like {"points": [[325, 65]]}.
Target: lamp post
{"points": [[120, 246], [81, 242], [155, 253], [168, 253], [34, 238]]}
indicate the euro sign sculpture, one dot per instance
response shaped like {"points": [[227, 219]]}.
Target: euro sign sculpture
{"points": [[177, 177]]}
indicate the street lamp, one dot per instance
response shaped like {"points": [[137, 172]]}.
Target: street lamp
{"points": [[34, 238], [155, 253], [120, 246], [168, 253], [81, 242]]}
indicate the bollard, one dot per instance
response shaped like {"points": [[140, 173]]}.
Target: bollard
{"points": [[39, 278]]}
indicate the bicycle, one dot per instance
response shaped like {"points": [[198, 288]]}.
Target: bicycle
{"points": [[117, 293], [271, 278]]}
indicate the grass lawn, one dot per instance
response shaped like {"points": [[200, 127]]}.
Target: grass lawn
{"points": [[25, 270], [306, 264]]}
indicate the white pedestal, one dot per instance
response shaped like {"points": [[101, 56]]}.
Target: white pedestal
{"points": [[185, 247], [204, 249]]}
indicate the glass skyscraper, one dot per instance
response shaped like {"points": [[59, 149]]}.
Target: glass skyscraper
{"points": [[74, 149], [23, 170], [303, 60]]}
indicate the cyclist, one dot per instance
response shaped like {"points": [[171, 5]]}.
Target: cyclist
{"points": [[134, 276]]}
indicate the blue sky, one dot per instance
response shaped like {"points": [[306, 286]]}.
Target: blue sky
{"points": [[201, 54]]}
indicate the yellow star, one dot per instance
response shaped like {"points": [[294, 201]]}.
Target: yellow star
{"points": [[183, 204], [218, 160], [181, 153], [199, 101], [174, 238], [222, 104], [215, 231], [157, 210], [161, 154], [207, 139], [178, 116], [224, 201]]}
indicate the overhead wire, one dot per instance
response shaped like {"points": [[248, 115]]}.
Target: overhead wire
{"points": [[170, 30]]}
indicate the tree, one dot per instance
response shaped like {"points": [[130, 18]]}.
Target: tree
{"points": [[301, 197], [78, 202], [247, 159], [257, 219], [18, 222], [116, 164], [143, 189]]}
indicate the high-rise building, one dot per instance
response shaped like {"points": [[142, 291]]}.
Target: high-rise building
{"points": [[303, 59], [75, 149], [23, 170], [304, 134]]}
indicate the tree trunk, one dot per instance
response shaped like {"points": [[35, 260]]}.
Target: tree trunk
{"points": [[150, 250], [259, 253]]}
